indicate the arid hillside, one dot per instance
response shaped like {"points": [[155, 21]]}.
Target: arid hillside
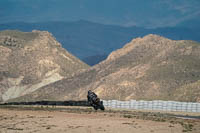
{"points": [[30, 60], [152, 67]]}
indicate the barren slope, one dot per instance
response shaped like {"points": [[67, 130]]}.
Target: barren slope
{"points": [[30, 60], [152, 67]]}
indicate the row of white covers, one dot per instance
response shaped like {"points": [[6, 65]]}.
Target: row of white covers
{"points": [[154, 105]]}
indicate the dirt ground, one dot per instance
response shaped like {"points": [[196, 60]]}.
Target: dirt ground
{"points": [[85, 120]]}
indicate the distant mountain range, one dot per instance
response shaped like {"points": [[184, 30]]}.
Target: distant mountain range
{"points": [[140, 13], [147, 68], [30, 60], [87, 40]]}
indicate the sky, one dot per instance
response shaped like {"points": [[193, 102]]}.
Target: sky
{"points": [[141, 13]]}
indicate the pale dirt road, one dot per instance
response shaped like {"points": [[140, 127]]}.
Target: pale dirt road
{"points": [[40, 121]]}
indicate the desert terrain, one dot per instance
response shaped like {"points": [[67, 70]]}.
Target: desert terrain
{"points": [[42, 119]]}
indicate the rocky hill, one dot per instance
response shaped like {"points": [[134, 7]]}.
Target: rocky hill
{"points": [[92, 42], [148, 68], [30, 60]]}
